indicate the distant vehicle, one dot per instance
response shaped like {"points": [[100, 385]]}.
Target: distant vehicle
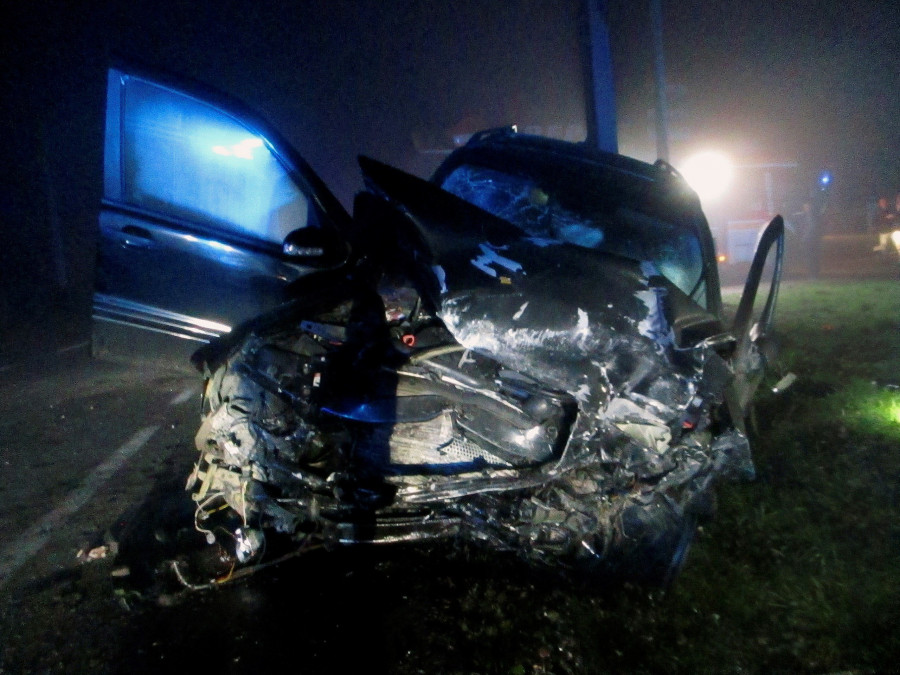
{"points": [[736, 240], [758, 192], [889, 243], [527, 352]]}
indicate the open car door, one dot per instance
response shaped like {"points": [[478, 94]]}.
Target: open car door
{"points": [[753, 320], [203, 208]]}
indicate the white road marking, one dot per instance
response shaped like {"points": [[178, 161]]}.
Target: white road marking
{"points": [[22, 548], [184, 396]]}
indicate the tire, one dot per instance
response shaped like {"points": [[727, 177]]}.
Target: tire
{"points": [[647, 542]]}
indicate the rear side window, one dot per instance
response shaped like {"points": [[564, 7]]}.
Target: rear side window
{"points": [[189, 160]]}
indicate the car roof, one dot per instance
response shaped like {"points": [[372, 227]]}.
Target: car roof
{"points": [[549, 154]]}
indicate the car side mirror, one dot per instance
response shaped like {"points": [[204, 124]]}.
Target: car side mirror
{"points": [[317, 247]]}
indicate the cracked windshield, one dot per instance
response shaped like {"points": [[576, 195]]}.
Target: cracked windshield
{"points": [[605, 222]]}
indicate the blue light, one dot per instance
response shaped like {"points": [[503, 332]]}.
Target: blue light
{"points": [[824, 179]]}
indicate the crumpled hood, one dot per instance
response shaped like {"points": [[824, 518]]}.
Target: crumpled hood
{"points": [[564, 311], [565, 314]]}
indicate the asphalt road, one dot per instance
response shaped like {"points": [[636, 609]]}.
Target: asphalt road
{"points": [[81, 445], [82, 433]]}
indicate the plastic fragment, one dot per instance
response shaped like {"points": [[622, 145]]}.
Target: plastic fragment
{"points": [[784, 383]]}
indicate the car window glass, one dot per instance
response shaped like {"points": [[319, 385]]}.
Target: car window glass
{"points": [[604, 225], [190, 160]]}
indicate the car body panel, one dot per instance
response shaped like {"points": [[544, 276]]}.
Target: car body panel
{"points": [[199, 198]]}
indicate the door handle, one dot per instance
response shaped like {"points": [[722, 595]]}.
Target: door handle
{"points": [[136, 237]]}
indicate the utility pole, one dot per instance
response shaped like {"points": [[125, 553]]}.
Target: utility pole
{"points": [[659, 78], [601, 93]]}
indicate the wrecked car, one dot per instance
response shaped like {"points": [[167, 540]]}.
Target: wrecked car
{"points": [[527, 352]]}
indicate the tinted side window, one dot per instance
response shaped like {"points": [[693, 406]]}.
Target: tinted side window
{"points": [[190, 160]]}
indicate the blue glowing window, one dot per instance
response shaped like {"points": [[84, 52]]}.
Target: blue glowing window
{"points": [[190, 160]]}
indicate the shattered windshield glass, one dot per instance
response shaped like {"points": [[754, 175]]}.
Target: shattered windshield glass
{"points": [[612, 224]]}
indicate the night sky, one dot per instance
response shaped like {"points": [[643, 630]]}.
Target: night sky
{"points": [[812, 82]]}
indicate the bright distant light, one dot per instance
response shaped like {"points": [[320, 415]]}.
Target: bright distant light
{"points": [[709, 173]]}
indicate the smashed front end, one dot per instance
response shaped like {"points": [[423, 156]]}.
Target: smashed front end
{"points": [[467, 380]]}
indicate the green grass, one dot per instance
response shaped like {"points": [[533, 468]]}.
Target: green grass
{"points": [[836, 332]]}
